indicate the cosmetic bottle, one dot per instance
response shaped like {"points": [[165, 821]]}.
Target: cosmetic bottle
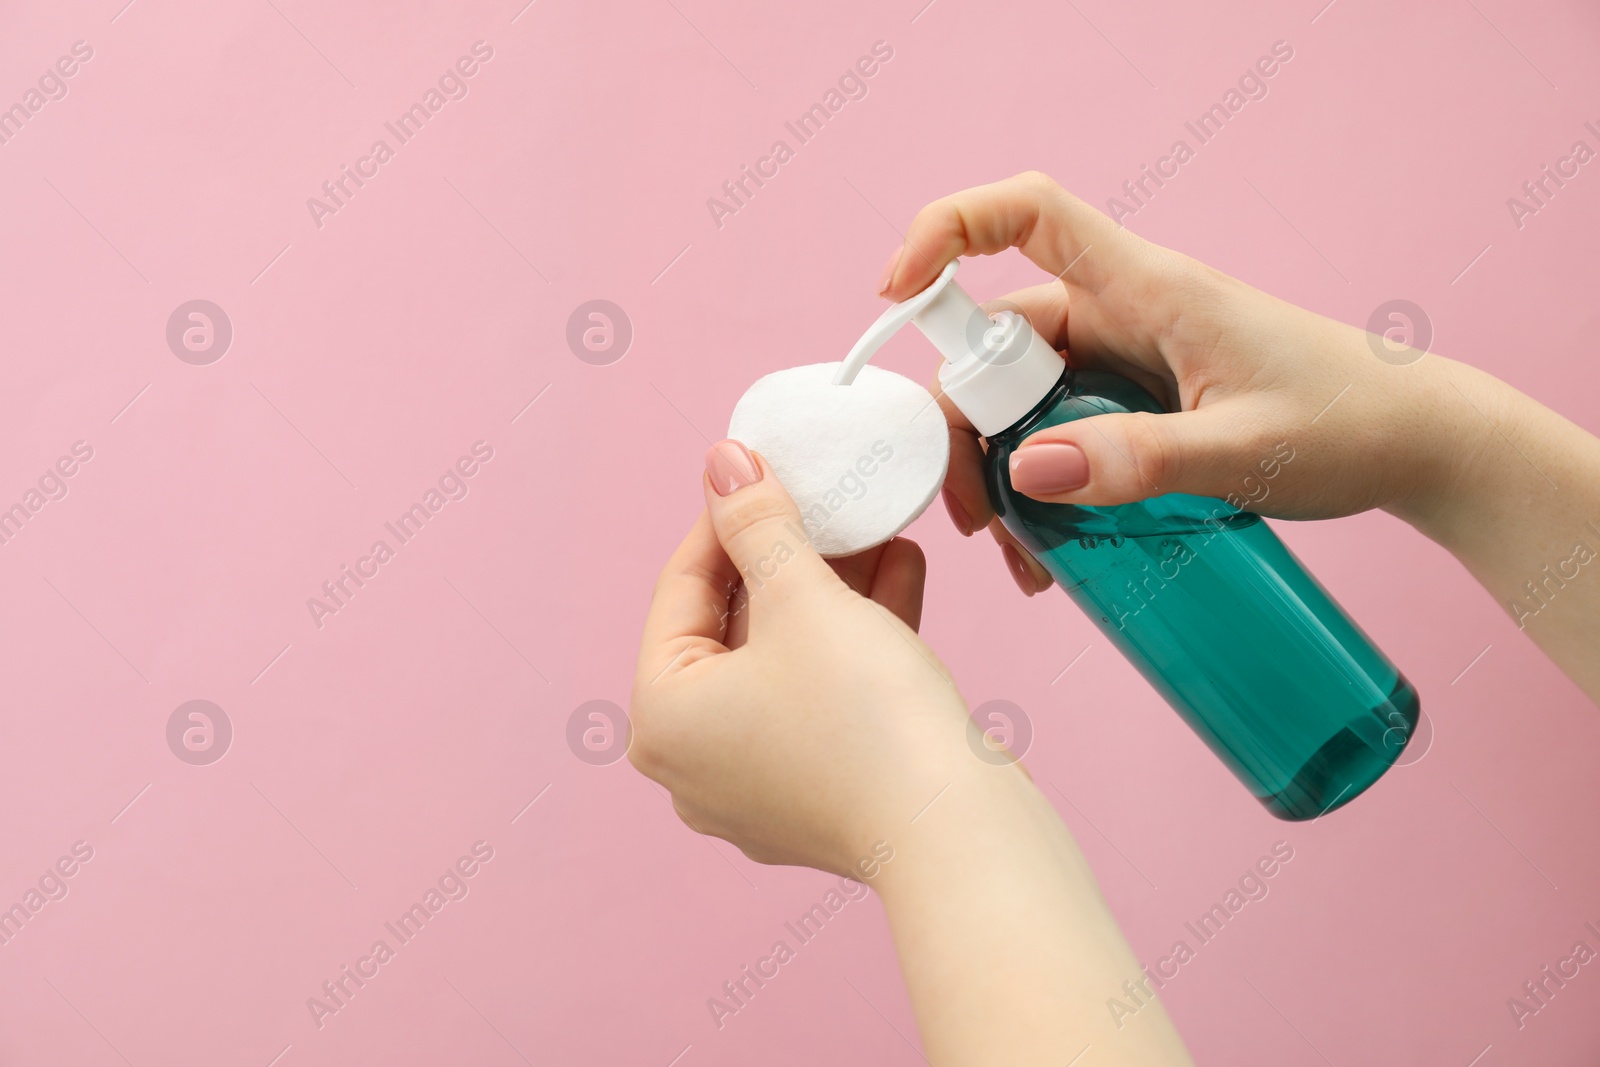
{"points": [[1201, 596]]}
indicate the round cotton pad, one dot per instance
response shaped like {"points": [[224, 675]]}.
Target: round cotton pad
{"points": [[861, 460]]}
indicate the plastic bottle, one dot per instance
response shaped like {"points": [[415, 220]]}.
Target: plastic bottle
{"points": [[1202, 597]]}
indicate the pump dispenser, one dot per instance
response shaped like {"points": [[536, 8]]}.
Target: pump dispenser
{"points": [[1202, 597], [996, 367]]}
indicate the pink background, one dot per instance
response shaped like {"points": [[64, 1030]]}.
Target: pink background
{"points": [[369, 353]]}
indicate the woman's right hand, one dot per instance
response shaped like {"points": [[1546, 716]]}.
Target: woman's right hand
{"points": [[1249, 378], [1508, 486]]}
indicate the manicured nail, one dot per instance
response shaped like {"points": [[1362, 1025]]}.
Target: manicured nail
{"points": [[1019, 569], [958, 514], [730, 466], [888, 270], [1049, 467]]}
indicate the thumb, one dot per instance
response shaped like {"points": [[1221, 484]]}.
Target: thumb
{"points": [[757, 522], [1121, 457]]}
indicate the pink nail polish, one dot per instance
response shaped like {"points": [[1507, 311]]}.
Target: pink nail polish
{"points": [[958, 514], [888, 270], [730, 467], [1019, 569], [1049, 467]]}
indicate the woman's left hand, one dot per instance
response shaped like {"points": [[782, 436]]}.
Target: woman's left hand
{"points": [[788, 704]]}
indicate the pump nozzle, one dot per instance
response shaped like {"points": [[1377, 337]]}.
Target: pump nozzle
{"points": [[888, 324], [996, 367]]}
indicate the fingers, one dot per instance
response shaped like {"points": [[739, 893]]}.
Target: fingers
{"points": [[758, 525], [689, 610], [966, 499], [900, 579], [1030, 211], [857, 571], [1044, 306], [893, 574], [1027, 572], [1046, 309], [1124, 457]]}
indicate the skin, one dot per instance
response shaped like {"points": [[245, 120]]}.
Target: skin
{"points": [[789, 706], [1503, 483]]}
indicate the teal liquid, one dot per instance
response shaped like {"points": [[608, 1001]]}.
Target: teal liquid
{"points": [[1221, 618]]}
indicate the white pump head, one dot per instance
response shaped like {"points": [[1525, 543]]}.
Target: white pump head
{"points": [[996, 367]]}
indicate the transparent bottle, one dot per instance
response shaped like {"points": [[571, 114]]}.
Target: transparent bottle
{"points": [[1202, 597], [1221, 618]]}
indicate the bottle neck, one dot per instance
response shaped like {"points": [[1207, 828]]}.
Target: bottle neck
{"points": [[1022, 426]]}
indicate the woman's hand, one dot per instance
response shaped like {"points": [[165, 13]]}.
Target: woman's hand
{"points": [[1249, 378], [789, 705], [790, 708], [1506, 485]]}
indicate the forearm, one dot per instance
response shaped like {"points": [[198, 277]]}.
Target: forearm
{"points": [[1009, 952], [1520, 508]]}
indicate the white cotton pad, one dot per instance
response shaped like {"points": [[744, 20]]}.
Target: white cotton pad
{"points": [[861, 460]]}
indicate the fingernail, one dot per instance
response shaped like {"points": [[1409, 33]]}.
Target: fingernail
{"points": [[958, 514], [1049, 467], [1019, 569], [730, 466], [888, 270]]}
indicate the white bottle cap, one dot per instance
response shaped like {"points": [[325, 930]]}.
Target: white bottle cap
{"points": [[996, 367]]}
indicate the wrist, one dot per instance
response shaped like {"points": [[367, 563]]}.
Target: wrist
{"points": [[916, 761], [976, 817], [1454, 412]]}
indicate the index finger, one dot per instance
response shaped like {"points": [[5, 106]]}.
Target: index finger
{"points": [[1030, 211], [689, 610]]}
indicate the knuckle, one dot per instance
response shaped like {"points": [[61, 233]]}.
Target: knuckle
{"points": [[753, 513], [644, 750], [701, 822], [758, 853], [642, 753], [939, 214], [1151, 450], [1037, 180]]}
